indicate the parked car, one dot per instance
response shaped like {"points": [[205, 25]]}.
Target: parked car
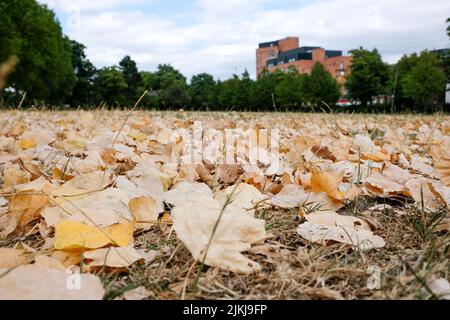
{"points": [[344, 103]]}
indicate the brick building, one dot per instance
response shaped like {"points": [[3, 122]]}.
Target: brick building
{"points": [[282, 54]]}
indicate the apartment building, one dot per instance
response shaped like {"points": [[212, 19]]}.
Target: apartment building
{"points": [[281, 54]]}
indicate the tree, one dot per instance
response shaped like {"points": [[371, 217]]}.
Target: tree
{"points": [[203, 90], [425, 80], [235, 93], [320, 86], [289, 92], [369, 75], [244, 91], [33, 34], [84, 90], [228, 93], [448, 27], [133, 79], [398, 73], [111, 86], [263, 90], [175, 95], [168, 81]]}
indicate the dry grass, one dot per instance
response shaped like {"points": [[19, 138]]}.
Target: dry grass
{"points": [[295, 269]]}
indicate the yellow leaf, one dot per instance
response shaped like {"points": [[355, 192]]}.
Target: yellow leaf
{"points": [[26, 144], [380, 156], [74, 144], [18, 129], [137, 135], [76, 235], [144, 210], [327, 182]]}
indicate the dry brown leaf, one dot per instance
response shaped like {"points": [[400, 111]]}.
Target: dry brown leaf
{"points": [[112, 257], [327, 182], [139, 293], [37, 283], [11, 258], [441, 159], [92, 181], [382, 185], [228, 173], [423, 194], [187, 192], [48, 262], [328, 227], [293, 196], [144, 212], [440, 288], [236, 231], [244, 196], [103, 208]]}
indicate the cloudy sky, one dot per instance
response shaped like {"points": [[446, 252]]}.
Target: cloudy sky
{"points": [[220, 36]]}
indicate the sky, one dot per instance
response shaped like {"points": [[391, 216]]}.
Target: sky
{"points": [[220, 36]]}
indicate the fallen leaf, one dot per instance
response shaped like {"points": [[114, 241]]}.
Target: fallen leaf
{"points": [[322, 234], [48, 262], [187, 192], [440, 288], [37, 283], [112, 257], [103, 208], [92, 181], [382, 185], [327, 182], [144, 212], [293, 196], [441, 159], [423, 195], [236, 231], [26, 144], [70, 235], [139, 293], [245, 196], [11, 258]]}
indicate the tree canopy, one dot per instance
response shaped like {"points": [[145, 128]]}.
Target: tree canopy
{"points": [[369, 75], [31, 32]]}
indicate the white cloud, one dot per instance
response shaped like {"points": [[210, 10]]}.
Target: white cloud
{"points": [[221, 36]]}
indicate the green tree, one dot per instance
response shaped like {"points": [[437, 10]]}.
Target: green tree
{"points": [[320, 87], [203, 90], [369, 75], [111, 86], [84, 90], [132, 77], [263, 91], [169, 87], [425, 80], [448, 27], [228, 98], [175, 95], [290, 91], [235, 93], [33, 34], [398, 73], [244, 91]]}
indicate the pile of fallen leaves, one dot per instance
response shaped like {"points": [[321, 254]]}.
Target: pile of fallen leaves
{"points": [[84, 185]]}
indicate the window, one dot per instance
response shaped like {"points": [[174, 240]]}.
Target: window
{"points": [[291, 60], [271, 54]]}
